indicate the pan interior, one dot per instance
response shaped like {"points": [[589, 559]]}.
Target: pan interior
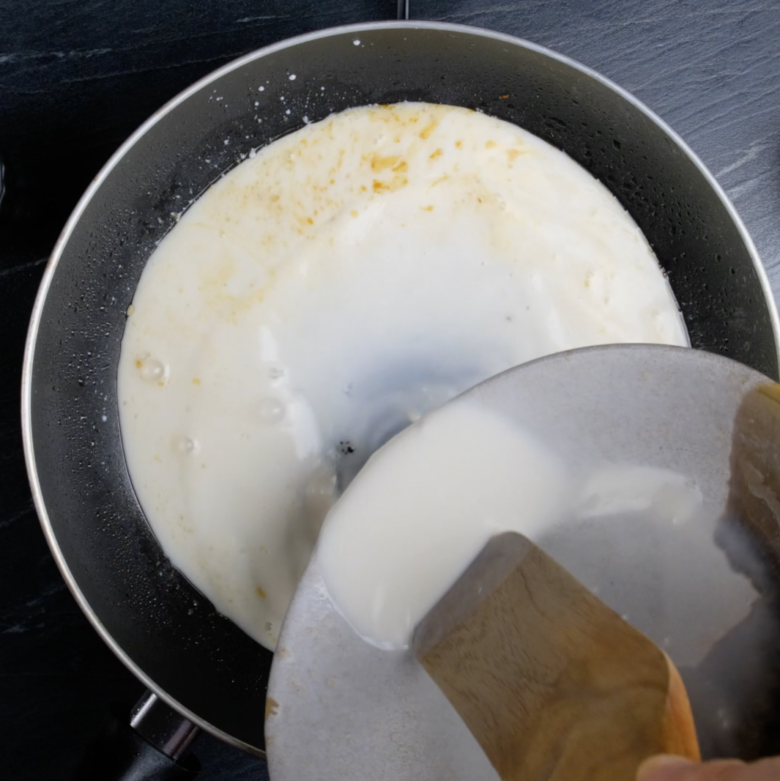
{"points": [[163, 626]]}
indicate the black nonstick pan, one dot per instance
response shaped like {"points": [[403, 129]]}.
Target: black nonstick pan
{"points": [[153, 619]]}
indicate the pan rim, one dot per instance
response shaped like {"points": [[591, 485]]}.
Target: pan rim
{"points": [[118, 155]]}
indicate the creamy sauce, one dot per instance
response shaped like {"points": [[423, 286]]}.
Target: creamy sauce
{"points": [[425, 505], [336, 286]]}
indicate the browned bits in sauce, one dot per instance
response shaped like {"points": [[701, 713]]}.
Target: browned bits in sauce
{"points": [[396, 183], [379, 163], [425, 133], [271, 707]]}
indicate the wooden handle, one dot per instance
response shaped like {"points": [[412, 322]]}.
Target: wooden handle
{"points": [[679, 732], [553, 684]]}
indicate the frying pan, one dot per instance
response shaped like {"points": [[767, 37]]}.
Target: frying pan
{"points": [[151, 616]]}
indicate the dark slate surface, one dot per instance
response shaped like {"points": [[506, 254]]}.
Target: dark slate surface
{"points": [[78, 76]]}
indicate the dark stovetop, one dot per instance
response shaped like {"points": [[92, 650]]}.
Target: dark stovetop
{"points": [[78, 76]]}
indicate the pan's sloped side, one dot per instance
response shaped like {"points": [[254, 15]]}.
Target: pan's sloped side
{"points": [[150, 615]]}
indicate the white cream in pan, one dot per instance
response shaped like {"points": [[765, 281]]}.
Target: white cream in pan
{"points": [[333, 288]]}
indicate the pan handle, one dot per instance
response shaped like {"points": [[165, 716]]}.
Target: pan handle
{"points": [[149, 743]]}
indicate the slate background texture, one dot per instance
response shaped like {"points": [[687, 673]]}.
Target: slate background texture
{"points": [[78, 76]]}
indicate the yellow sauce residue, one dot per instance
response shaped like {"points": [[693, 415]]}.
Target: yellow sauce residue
{"points": [[379, 163], [425, 133], [271, 707], [396, 183]]}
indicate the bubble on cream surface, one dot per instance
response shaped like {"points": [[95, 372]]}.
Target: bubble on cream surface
{"points": [[328, 291]]}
